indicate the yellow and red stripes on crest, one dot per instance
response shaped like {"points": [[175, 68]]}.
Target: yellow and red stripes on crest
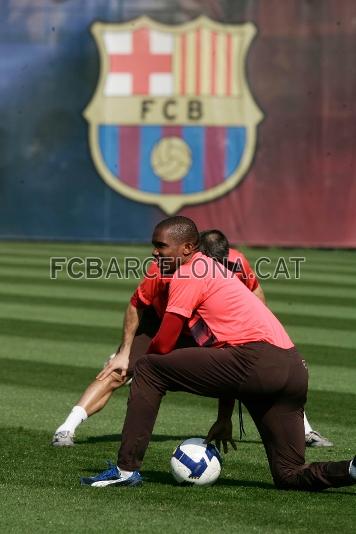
{"points": [[206, 63]]}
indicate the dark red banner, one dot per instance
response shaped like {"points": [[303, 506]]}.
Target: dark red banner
{"points": [[301, 187]]}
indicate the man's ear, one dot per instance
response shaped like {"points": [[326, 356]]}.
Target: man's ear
{"points": [[187, 249]]}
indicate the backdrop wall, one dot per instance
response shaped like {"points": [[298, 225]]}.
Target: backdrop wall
{"points": [[298, 189]]}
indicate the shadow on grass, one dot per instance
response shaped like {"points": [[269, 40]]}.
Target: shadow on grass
{"points": [[117, 437], [165, 478], [107, 438]]}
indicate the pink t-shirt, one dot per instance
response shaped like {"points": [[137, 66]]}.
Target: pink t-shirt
{"points": [[247, 276], [220, 308]]}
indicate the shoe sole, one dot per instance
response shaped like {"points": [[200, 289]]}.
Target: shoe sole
{"points": [[105, 483], [58, 444]]}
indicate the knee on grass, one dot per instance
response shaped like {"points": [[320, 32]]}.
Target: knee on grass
{"points": [[291, 479]]}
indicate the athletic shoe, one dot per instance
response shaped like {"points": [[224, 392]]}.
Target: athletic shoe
{"points": [[63, 439], [111, 477], [314, 439]]}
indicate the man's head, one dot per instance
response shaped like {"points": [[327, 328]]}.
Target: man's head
{"points": [[175, 240], [213, 243]]}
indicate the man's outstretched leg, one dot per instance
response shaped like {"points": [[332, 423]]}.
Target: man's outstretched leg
{"points": [[96, 396]]}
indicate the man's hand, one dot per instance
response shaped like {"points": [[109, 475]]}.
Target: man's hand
{"points": [[221, 431], [109, 360], [120, 362]]}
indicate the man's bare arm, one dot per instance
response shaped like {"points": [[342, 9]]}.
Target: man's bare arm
{"points": [[132, 319], [121, 359]]}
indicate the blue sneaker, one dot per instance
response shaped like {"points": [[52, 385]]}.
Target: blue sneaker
{"points": [[111, 477]]}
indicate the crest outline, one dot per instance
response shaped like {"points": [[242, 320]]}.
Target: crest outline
{"points": [[251, 114]]}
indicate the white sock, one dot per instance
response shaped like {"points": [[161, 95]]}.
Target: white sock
{"points": [[76, 416], [307, 427], [125, 474], [352, 470]]}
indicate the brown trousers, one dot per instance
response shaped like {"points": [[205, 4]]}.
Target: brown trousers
{"points": [[271, 382]]}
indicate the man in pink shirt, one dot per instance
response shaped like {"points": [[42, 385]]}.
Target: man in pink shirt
{"points": [[244, 354], [141, 322]]}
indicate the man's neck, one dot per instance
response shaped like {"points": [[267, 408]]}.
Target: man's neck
{"points": [[187, 259]]}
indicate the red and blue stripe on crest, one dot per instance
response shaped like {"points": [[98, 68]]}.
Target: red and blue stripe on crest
{"points": [[216, 153]]}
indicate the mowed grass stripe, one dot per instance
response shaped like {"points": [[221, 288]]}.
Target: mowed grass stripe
{"points": [[332, 256], [38, 249], [121, 299], [60, 351], [122, 293], [329, 309], [77, 332], [303, 284], [299, 291], [102, 283], [324, 300], [332, 378], [80, 250], [312, 309], [118, 302], [37, 374], [56, 331], [334, 409], [322, 336], [91, 316], [85, 316], [327, 356], [274, 287], [64, 292], [126, 278], [326, 279], [311, 321], [311, 267]]}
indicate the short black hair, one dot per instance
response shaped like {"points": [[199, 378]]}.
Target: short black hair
{"points": [[181, 228], [213, 243]]}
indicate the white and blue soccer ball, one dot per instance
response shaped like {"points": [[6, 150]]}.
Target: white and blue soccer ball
{"points": [[196, 462]]}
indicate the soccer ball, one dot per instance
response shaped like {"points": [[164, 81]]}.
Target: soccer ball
{"points": [[196, 462]]}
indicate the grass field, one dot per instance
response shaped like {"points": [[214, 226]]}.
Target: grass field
{"points": [[55, 335]]}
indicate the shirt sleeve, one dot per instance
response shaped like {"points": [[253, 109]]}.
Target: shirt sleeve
{"points": [[248, 275], [147, 289], [245, 273], [185, 294], [136, 300], [166, 338]]}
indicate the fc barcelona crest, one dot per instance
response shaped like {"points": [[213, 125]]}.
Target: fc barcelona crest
{"points": [[172, 121]]}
